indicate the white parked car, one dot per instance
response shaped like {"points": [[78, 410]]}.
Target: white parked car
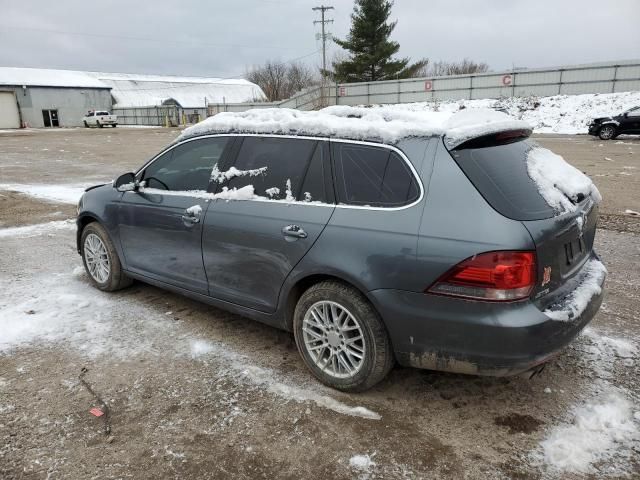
{"points": [[99, 118]]}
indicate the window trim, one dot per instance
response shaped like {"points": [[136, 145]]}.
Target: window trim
{"points": [[307, 137]]}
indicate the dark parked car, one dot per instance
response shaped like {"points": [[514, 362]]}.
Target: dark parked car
{"points": [[608, 128], [432, 251]]}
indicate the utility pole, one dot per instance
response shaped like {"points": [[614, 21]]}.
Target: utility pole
{"points": [[323, 22]]}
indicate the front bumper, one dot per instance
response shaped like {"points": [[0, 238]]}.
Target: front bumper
{"points": [[594, 128], [479, 338]]}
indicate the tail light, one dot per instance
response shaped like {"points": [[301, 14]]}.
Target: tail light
{"points": [[492, 276]]}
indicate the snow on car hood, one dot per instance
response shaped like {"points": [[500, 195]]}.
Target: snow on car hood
{"points": [[380, 123]]}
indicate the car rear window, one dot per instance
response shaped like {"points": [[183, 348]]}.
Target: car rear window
{"points": [[499, 172]]}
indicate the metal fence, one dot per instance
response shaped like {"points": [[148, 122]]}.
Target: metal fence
{"points": [[608, 77], [570, 80], [152, 116], [308, 99]]}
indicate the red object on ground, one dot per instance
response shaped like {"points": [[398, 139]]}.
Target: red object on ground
{"points": [[96, 411]]}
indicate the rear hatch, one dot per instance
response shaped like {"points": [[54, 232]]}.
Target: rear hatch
{"points": [[497, 167]]}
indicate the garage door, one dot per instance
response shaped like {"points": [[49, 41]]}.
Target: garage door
{"points": [[9, 117]]}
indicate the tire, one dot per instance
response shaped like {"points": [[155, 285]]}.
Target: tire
{"points": [[86, 125], [607, 132], [114, 125], [115, 279], [99, 125], [377, 360]]}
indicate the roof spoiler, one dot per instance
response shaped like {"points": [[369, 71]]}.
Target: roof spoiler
{"points": [[494, 139]]}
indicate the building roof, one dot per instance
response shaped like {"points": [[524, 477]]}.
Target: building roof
{"points": [[383, 123], [138, 90], [42, 77], [135, 90]]}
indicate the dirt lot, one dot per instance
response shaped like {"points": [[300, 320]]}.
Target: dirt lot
{"points": [[194, 392]]}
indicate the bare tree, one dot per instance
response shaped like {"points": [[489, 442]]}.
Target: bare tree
{"points": [[281, 80], [442, 68]]}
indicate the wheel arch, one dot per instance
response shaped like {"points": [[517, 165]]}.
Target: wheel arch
{"points": [[83, 220], [302, 284]]}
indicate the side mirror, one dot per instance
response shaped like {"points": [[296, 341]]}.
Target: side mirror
{"points": [[126, 182]]}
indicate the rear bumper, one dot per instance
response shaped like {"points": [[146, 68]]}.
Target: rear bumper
{"points": [[479, 338]]}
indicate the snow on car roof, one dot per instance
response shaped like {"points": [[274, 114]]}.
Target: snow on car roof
{"points": [[380, 123]]}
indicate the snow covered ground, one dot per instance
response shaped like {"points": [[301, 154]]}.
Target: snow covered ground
{"points": [[53, 193], [563, 114]]}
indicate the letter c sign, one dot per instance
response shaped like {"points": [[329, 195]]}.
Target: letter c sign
{"points": [[506, 80]]}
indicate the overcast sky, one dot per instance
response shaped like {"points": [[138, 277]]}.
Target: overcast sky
{"points": [[224, 37]]}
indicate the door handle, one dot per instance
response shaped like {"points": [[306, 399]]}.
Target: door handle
{"points": [[190, 219], [294, 231]]}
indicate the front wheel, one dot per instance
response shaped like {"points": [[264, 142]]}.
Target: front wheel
{"points": [[607, 132], [341, 337], [101, 260], [86, 125], [114, 125], [99, 125]]}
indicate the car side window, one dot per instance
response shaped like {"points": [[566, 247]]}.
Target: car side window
{"points": [[634, 113], [285, 159], [187, 166], [372, 176]]}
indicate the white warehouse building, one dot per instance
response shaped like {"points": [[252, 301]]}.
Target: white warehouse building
{"points": [[34, 97]]}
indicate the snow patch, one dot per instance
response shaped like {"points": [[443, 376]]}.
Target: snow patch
{"points": [[559, 183], [218, 176], [602, 429], [362, 462], [272, 192], [194, 210], [200, 348], [37, 229], [593, 275], [564, 114], [53, 193], [241, 367]]}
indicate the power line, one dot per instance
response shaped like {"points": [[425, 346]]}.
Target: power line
{"points": [[148, 39]]}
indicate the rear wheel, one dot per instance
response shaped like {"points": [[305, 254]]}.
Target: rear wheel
{"points": [[114, 125], [607, 132], [101, 260], [341, 337], [86, 125], [99, 125]]}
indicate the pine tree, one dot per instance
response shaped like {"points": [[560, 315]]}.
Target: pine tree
{"points": [[370, 48]]}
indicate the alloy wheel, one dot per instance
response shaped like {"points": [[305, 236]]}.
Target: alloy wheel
{"points": [[334, 339], [96, 258], [606, 133]]}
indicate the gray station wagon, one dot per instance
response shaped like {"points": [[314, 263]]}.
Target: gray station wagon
{"points": [[433, 251]]}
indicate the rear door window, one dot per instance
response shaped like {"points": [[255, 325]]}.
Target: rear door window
{"points": [[286, 161], [500, 174], [372, 176], [186, 167]]}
